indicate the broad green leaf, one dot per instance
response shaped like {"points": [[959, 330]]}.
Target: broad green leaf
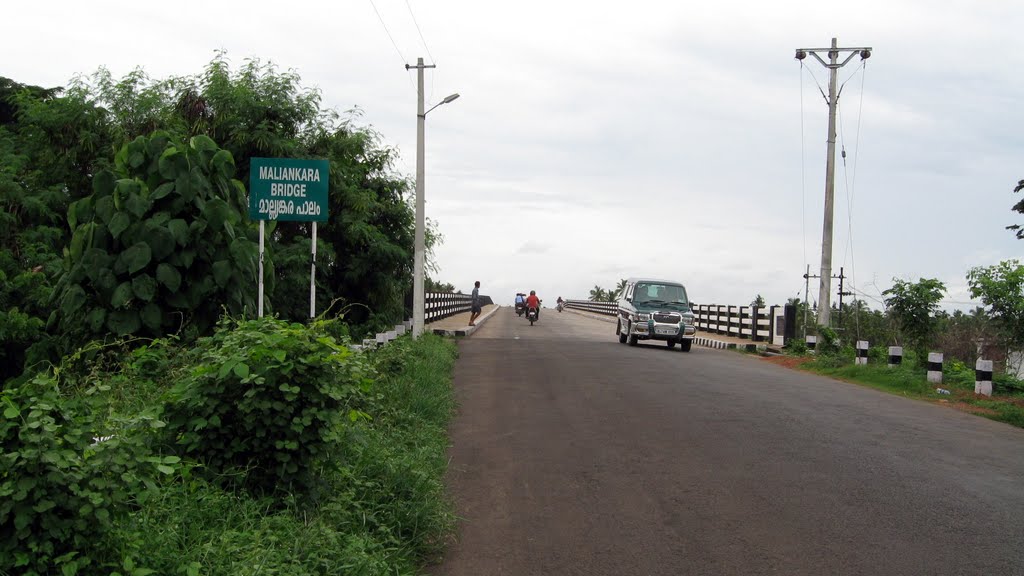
{"points": [[168, 276], [160, 241], [223, 164], [137, 204], [173, 164], [122, 295], [94, 261], [202, 143], [119, 223], [162, 190], [166, 470], [245, 254], [105, 208], [105, 280], [151, 316], [103, 183], [183, 186], [74, 298], [222, 272], [144, 287], [73, 215], [137, 257], [160, 218], [179, 229], [200, 183], [124, 322], [241, 370], [96, 319], [137, 152]]}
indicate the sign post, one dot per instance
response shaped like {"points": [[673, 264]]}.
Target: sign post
{"points": [[286, 189]]}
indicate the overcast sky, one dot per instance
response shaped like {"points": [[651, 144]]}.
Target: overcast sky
{"points": [[599, 140]]}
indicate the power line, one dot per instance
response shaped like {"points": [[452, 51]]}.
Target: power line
{"points": [[388, 32], [424, 40]]}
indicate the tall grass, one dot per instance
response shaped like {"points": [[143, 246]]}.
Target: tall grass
{"points": [[909, 379], [382, 511]]}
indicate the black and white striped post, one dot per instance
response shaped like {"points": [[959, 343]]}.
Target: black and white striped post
{"points": [[812, 342], [935, 367], [895, 356], [983, 377], [862, 352]]}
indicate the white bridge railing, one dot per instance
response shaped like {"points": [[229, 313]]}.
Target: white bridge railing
{"points": [[757, 323]]}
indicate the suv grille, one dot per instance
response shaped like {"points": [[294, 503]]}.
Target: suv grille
{"points": [[668, 318]]}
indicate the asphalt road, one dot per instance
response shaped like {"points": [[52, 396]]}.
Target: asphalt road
{"points": [[574, 454]]}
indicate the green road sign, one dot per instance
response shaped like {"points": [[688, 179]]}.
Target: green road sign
{"points": [[287, 189]]}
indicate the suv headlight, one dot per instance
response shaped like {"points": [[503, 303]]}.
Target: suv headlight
{"points": [[643, 317], [688, 320]]}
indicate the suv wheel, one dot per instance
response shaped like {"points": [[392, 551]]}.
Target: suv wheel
{"points": [[620, 333], [685, 345], [633, 339], [671, 344]]}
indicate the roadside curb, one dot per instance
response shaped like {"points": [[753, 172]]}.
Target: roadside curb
{"points": [[468, 330], [722, 345]]}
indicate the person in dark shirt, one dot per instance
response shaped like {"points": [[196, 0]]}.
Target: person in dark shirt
{"points": [[474, 306]]}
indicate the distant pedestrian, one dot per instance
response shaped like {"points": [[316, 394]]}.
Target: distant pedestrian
{"points": [[475, 308]]}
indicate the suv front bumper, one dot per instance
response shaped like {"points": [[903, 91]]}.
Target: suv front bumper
{"points": [[658, 331]]}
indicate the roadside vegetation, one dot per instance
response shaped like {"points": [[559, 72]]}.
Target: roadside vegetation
{"points": [[910, 379], [152, 425], [266, 448]]}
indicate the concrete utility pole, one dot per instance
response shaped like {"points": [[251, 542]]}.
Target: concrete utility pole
{"points": [[833, 65], [418, 294]]}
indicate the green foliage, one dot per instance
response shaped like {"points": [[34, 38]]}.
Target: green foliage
{"points": [[61, 490], [269, 397], [598, 294], [1018, 207], [913, 306], [162, 241], [758, 301], [1001, 288], [828, 341]]}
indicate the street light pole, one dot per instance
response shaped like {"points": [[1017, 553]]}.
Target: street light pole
{"points": [[833, 65], [418, 294]]}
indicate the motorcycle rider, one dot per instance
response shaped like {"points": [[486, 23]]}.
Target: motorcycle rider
{"points": [[561, 303], [520, 302], [533, 302]]}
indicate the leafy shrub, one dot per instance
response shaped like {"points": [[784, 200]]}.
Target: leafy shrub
{"points": [[161, 241], [269, 397], [61, 489], [796, 348], [828, 341]]}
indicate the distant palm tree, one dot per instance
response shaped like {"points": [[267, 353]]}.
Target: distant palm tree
{"points": [[598, 294], [620, 290]]}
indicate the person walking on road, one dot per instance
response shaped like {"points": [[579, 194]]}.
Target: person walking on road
{"points": [[475, 307]]}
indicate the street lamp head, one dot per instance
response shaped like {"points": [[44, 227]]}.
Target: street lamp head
{"points": [[448, 99], [801, 54], [865, 54]]}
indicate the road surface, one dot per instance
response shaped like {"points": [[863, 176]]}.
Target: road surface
{"points": [[574, 454]]}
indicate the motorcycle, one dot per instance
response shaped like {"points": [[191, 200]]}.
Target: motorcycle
{"points": [[520, 308], [560, 306], [531, 315]]}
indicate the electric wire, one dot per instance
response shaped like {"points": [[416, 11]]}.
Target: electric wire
{"points": [[433, 77], [393, 43]]}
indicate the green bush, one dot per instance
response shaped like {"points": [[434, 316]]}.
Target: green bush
{"points": [[61, 489], [268, 397], [160, 243]]}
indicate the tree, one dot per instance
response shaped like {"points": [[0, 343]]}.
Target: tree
{"points": [[1001, 288], [161, 243], [912, 305], [620, 290], [598, 294], [365, 249], [758, 301], [1018, 207]]}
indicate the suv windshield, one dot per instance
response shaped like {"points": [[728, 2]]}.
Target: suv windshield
{"points": [[654, 293]]}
